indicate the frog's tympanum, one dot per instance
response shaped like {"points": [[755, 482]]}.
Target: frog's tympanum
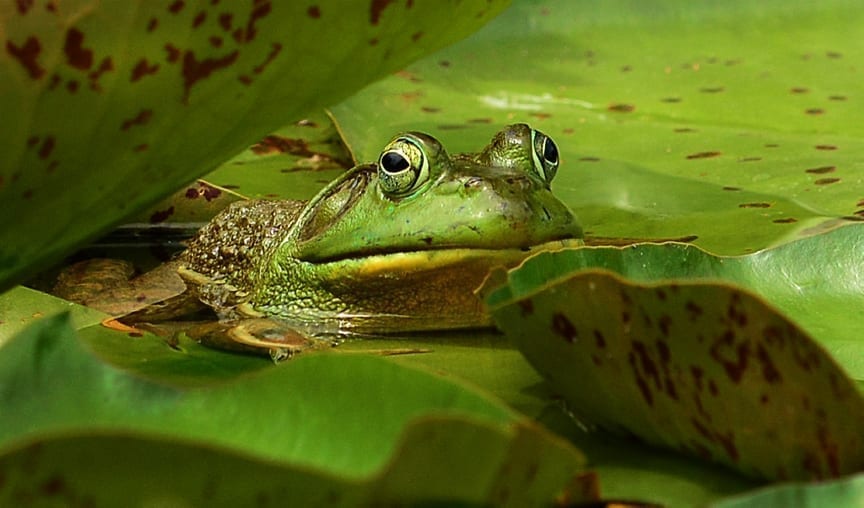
{"points": [[398, 245]]}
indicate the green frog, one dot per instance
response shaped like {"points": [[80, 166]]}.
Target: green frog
{"points": [[393, 246]]}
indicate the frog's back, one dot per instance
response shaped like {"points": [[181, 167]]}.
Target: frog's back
{"points": [[236, 242]]}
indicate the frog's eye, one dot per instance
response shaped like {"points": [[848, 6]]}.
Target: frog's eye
{"points": [[545, 156], [403, 167]]}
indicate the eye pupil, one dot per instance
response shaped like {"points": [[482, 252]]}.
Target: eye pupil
{"points": [[394, 162], [550, 151]]}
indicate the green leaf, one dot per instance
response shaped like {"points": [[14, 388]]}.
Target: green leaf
{"points": [[845, 492], [109, 107], [675, 120], [668, 351], [377, 415]]}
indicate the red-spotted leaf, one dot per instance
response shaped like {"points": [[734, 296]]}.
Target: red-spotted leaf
{"points": [[671, 353], [108, 106]]}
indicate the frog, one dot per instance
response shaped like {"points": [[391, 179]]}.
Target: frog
{"points": [[394, 246]]}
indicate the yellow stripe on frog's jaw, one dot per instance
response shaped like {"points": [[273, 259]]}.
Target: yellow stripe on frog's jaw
{"points": [[434, 259]]}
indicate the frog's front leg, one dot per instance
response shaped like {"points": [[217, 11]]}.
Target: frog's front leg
{"points": [[259, 336], [105, 284]]}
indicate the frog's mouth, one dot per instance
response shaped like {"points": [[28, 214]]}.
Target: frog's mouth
{"points": [[374, 261]]}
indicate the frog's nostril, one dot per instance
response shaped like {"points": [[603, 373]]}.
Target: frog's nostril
{"points": [[546, 213]]}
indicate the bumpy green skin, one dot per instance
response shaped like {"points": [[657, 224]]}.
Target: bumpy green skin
{"points": [[364, 252]]}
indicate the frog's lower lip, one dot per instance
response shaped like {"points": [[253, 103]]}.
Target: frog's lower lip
{"points": [[435, 257]]}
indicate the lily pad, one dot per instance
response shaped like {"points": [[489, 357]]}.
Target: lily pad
{"points": [[107, 108], [378, 416], [844, 492], [671, 353], [681, 120]]}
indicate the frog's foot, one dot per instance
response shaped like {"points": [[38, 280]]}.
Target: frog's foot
{"points": [[259, 336], [105, 284]]}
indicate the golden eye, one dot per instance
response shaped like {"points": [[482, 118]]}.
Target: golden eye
{"points": [[402, 167], [545, 156]]}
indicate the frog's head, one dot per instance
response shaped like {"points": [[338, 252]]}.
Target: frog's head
{"points": [[418, 198], [444, 220]]}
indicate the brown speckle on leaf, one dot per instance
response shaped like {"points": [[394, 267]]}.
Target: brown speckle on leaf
{"points": [[821, 170], [693, 310], [732, 189], [104, 66], [152, 24], [826, 181], [703, 155], [798, 90], [712, 89], [769, 370], [141, 148], [260, 9], [754, 205], [671, 100], [77, 55], [622, 108], [275, 49], [195, 70], [46, 148], [215, 41], [376, 7], [825, 147], [161, 215], [562, 326], [24, 6], [682, 130], [526, 307], [281, 144], [785, 220], [141, 118], [814, 111], [430, 109], [176, 7], [27, 55], [72, 86], [599, 339], [226, 21], [173, 53], [142, 68], [416, 36], [750, 159], [664, 323], [313, 12], [837, 98], [198, 19], [733, 357]]}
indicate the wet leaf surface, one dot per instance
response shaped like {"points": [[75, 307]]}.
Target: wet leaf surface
{"points": [[381, 425], [120, 106], [686, 120], [667, 352]]}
